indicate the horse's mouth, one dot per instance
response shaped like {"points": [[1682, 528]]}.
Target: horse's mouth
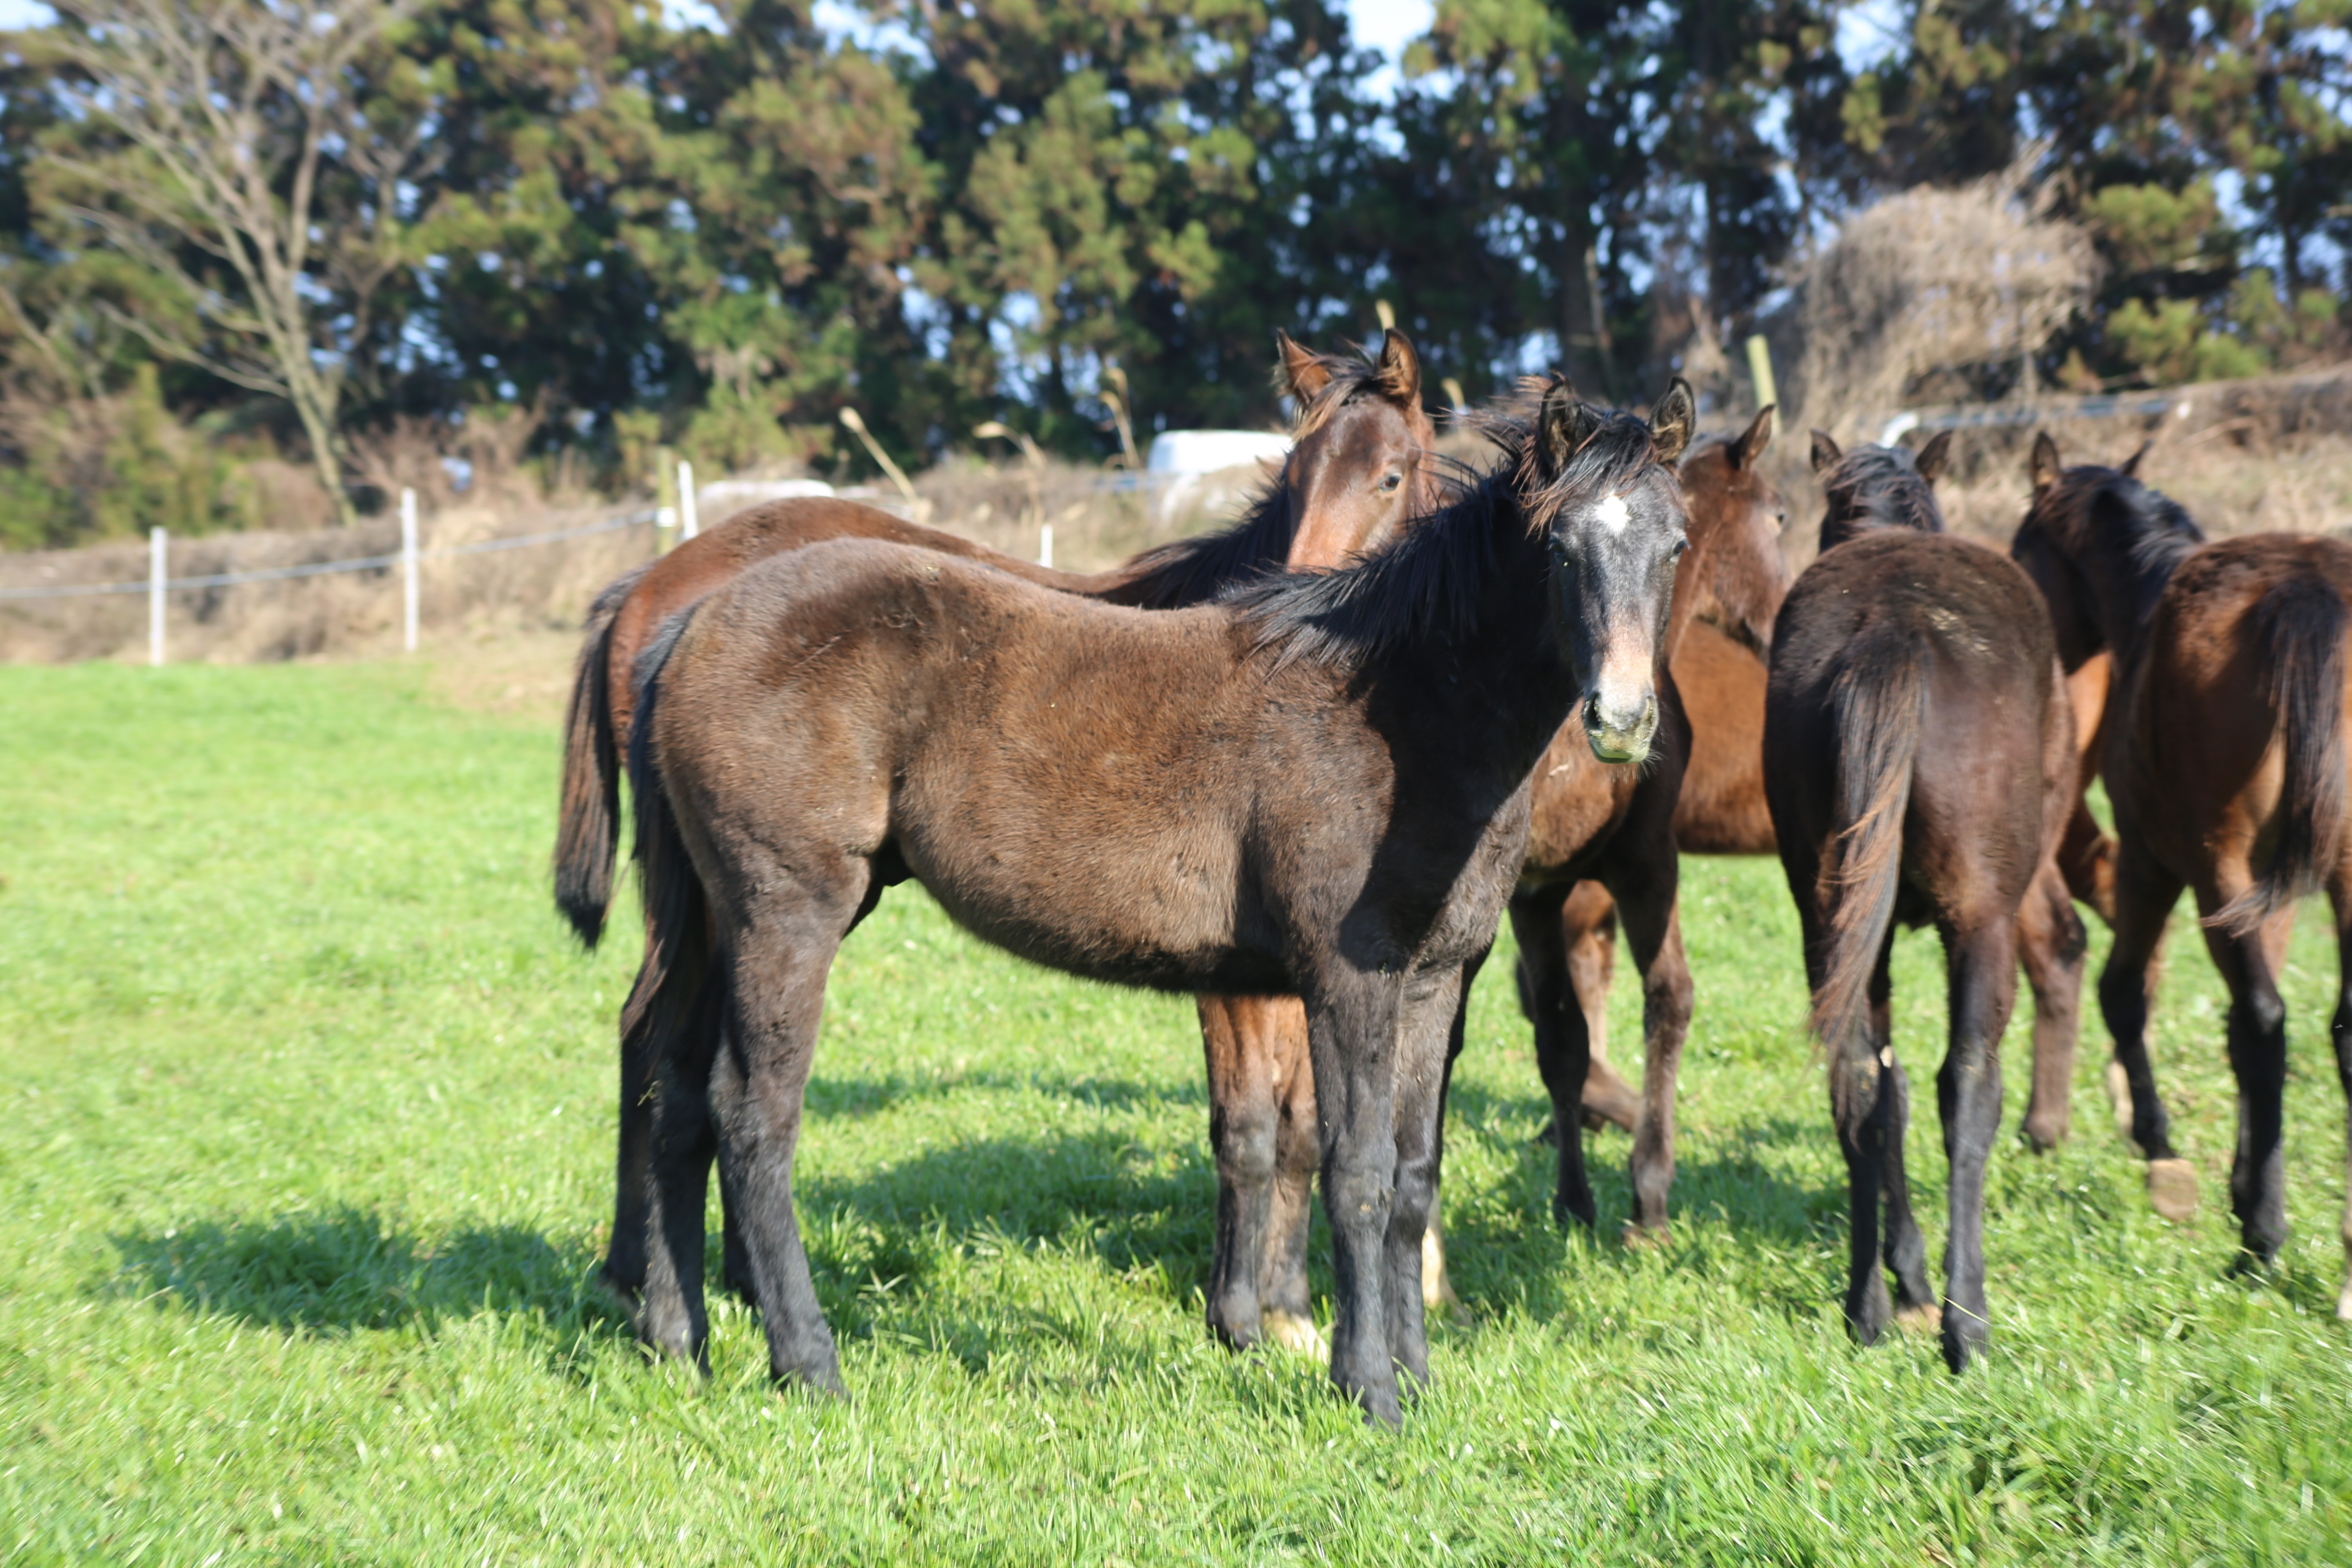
{"points": [[1619, 742]]}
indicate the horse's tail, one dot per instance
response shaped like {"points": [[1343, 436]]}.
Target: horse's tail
{"points": [[1875, 704], [667, 994], [588, 815], [2300, 626]]}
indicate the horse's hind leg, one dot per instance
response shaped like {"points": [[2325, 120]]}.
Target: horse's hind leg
{"points": [[1902, 1247], [1242, 1122], [1561, 1044], [2257, 1026], [624, 1255], [1863, 1096], [1589, 921], [680, 1143], [2051, 941], [1285, 1312], [735, 1262], [780, 954], [1981, 966], [2145, 894]]}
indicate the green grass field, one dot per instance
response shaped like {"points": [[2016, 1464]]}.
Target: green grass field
{"points": [[307, 1165]]}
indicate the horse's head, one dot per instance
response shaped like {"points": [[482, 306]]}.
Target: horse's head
{"points": [[1878, 487], [1734, 575], [2097, 542], [1601, 487], [1361, 465]]}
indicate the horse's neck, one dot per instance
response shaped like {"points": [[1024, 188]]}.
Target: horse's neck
{"points": [[2125, 584], [1501, 687]]}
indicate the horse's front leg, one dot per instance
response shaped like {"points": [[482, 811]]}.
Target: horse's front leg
{"points": [[1351, 1026], [1432, 1004]]}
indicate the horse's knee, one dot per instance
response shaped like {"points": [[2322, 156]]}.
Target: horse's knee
{"points": [[1247, 1141], [2261, 1012]]}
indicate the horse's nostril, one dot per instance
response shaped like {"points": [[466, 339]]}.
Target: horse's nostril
{"points": [[1592, 711]]}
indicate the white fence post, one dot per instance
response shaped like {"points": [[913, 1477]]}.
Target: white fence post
{"points": [[156, 553], [686, 518], [408, 569], [1044, 544]]}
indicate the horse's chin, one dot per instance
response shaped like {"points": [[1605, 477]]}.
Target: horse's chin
{"points": [[1619, 747]]}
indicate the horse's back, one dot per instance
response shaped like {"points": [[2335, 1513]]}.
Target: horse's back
{"points": [[1961, 626]]}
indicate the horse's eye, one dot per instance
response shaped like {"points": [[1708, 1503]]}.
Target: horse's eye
{"points": [[1780, 522], [1391, 483], [1681, 545]]}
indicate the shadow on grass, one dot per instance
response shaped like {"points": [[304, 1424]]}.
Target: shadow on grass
{"points": [[855, 1097], [345, 1271]]}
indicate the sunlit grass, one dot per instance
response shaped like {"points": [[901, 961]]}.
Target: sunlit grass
{"points": [[306, 1167]]}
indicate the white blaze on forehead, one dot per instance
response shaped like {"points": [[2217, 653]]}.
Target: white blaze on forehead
{"points": [[1613, 512]]}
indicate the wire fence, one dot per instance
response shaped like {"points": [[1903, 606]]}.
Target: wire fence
{"points": [[158, 586], [357, 564]]}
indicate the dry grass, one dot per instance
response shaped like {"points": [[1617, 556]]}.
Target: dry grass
{"points": [[1931, 280], [2248, 457]]}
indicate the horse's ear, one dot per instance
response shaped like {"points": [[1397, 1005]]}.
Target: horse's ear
{"points": [[2130, 467], [1825, 452], [1672, 420], [1398, 370], [1565, 422], [1935, 456], [2045, 466], [1303, 373], [1752, 442]]}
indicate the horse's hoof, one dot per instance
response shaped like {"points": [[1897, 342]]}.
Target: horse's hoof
{"points": [[2041, 1137], [1925, 1319], [1639, 1237], [2172, 1189], [1293, 1334], [2119, 1099], [622, 1298], [2344, 1303]]}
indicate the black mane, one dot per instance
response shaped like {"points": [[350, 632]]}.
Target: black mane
{"points": [[2091, 505], [1196, 570], [1876, 487], [1428, 586]]}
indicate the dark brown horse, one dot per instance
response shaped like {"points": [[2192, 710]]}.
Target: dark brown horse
{"points": [[1361, 463], [1919, 759], [2225, 768], [1319, 786]]}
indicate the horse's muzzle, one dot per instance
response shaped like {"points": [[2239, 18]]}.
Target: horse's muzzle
{"points": [[1620, 731]]}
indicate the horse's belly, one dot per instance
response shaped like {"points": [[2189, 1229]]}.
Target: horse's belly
{"points": [[1145, 908]]}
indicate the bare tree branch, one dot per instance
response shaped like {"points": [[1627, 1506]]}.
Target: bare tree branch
{"points": [[203, 136]]}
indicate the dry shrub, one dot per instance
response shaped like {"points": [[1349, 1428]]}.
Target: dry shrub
{"points": [[1930, 280]]}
